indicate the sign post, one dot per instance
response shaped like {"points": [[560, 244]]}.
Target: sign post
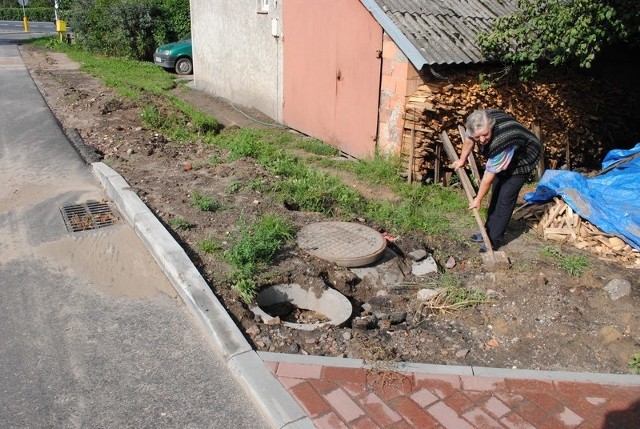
{"points": [[25, 22]]}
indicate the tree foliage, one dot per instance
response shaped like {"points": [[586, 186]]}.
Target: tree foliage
{"points": [[560, 32], [128, 28]]}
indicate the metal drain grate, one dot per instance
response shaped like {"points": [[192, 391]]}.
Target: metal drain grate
{"points": [[90, 215]]}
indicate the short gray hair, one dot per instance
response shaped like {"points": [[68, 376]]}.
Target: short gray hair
{"points": [[479, 119]]}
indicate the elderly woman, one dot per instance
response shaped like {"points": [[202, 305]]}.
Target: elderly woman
{"points": [[512, 153]]}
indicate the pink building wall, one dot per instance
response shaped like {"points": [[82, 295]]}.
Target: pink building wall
{"points": [[399, 81]]}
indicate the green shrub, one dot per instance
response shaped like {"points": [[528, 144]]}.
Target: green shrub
{"points": [[129, 29]]}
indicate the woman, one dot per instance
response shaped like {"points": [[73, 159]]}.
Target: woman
{"points": [[512, 153]]}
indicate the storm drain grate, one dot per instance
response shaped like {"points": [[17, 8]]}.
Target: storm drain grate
{"points": [[89, 215]]}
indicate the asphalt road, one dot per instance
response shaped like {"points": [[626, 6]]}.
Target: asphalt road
{"points": [[91, 332]]}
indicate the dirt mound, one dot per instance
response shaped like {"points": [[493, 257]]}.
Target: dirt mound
{"points": [[538, 316]]}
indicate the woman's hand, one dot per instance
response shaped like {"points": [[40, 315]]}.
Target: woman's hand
{"points": [[476, 203], [457, 164]]}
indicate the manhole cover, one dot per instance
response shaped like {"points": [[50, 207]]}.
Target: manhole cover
{"points": [[345, 243], [89, 215]]}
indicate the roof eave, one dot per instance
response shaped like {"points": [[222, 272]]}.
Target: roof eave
{"points": [[404, 44]]}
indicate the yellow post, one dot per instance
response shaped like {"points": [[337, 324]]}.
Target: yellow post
{"points": [[25, 23], [61, 28]]}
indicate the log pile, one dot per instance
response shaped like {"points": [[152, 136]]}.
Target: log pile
{"points": [[556, 221], [580, 118]]}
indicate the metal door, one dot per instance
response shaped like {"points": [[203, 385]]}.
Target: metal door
{"points": [[332, 72]]}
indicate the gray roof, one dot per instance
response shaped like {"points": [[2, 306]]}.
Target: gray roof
{"points": [[438, 31]]}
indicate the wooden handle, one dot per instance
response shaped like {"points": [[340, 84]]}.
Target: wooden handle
{"points": [[466, 184]]}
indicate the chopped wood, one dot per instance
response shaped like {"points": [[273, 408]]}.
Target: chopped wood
{"points": [[557, 221], [557, 106]]}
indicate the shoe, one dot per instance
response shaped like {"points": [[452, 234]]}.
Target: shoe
{"points": [[476, 238]]}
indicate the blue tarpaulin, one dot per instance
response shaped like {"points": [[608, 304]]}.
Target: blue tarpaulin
{"points": [[610, 200]]}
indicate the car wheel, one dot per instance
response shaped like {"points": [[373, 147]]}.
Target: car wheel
{"points": [[184, 66]]}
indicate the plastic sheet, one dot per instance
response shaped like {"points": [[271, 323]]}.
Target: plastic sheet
{"points": [[610, 200]]}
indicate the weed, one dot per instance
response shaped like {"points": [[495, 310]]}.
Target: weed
{"points": [[204, 202], [572, 265], [634, 364], [152, 117], [317, 191], [381, 170], [246, 288], [214, 160], [233, 187], [551, 252], [256, 243], [317, 147], [209, 245], [181, 223], [257, 185]]}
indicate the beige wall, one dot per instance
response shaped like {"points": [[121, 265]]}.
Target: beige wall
{"points": [[400, 80], [235, 55]]}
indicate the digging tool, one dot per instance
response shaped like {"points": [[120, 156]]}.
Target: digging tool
{"points": [[472, 158], [491, 258]]}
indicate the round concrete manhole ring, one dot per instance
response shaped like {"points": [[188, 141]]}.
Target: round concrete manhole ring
{"points": [[347, 244], [328, 302]]}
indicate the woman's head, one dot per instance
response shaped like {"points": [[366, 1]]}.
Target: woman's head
{"points": [[480, 126]]}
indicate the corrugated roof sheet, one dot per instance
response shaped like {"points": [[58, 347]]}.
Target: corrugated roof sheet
{"points": [[438, 32]]}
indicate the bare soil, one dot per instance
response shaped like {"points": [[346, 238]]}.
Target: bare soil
{"points": [[539, 317]]}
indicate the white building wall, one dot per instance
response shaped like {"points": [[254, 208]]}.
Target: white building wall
{"points": [[235, 55]]}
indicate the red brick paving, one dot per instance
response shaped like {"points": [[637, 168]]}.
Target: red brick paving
{"points": [[357, 398]]}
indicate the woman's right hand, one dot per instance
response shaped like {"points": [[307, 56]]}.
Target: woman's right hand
{"points": [[457, 164]]}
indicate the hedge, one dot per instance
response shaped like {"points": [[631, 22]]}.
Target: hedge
{"points": [[39, 14]]}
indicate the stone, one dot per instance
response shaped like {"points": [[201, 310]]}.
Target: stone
{"points": [[427, 294], [451, 262], [417, 255], [424, 267], [273, 321], [366, 322], [253, 330], [388, 271], [462, 353], [397, 317], [617, 289]]}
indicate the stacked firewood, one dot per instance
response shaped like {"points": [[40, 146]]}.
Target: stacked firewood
{"points": [[580, 118], [556, 221]]}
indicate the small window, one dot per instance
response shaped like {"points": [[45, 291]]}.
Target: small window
{"points": [[263, 6]]}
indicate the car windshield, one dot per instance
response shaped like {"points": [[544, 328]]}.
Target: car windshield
{"points": [[186, 38]]}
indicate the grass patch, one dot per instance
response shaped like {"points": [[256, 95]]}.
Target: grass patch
{"points": [[254, 246], [317, 147], [233, 187], [180, 223], [129, 78], [634, 364], [209, 245], [204, 202], [246, 289], [574, 265]]}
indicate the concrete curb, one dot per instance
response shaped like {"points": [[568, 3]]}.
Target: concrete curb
{"points": [[479, 371], [277, 405]]}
